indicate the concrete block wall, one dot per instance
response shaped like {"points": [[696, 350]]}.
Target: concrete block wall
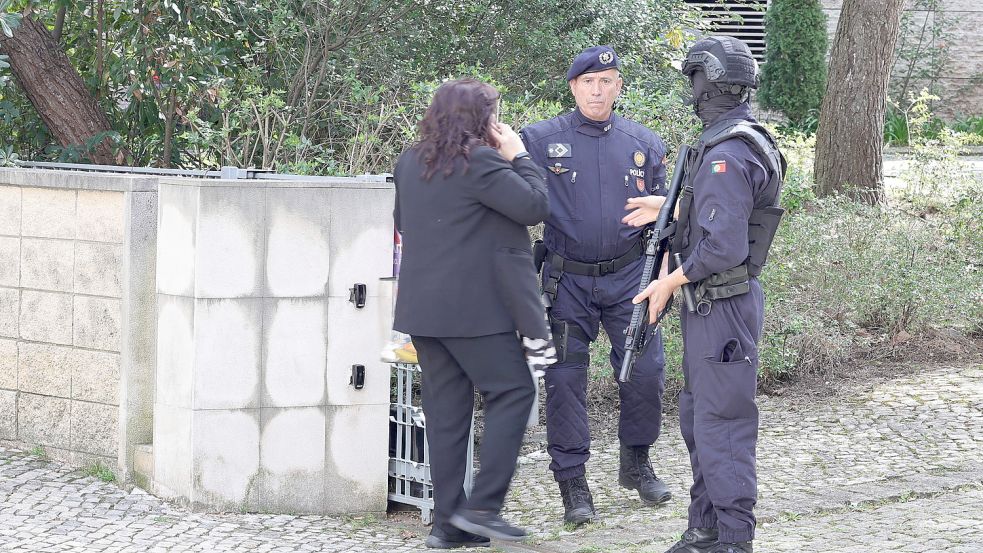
{"points": [[76, 284], [254, 409], [959, 82]]}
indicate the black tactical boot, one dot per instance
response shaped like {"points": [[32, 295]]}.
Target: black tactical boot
{"points": [[740, 547], [578, 505], [696, 540], [636, 473]]}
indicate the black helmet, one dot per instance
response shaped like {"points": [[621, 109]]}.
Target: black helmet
{"points": [[724, 59]]}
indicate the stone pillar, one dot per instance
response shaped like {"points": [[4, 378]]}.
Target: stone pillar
{"points": [[256, 341]]}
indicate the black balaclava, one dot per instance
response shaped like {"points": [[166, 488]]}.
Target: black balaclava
{"points": [[710, 101]]}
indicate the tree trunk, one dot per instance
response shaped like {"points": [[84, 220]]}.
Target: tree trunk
{"points": [[100, 43], [169, 129], [59, 23], [850, 138], [56, 89]]}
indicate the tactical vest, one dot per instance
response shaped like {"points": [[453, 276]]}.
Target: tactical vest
{"points": [[764, 219]]}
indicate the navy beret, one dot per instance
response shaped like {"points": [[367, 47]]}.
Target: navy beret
{"points": [[592, 60]]}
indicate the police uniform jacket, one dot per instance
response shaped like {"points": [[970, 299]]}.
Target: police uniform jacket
{"points": [[467, 268], [592, 169], [730, 181]]}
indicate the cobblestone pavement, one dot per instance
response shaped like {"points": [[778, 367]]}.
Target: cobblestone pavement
{"points": [[893, 466]]}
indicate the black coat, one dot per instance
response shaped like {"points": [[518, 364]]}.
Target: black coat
{"points": [[467, 268]]}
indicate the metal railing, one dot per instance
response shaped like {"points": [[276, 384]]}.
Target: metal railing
{"points": [[410, 482]]}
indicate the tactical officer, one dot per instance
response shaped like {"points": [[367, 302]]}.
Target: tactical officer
{"points": [[728, 215], [596, 161]]}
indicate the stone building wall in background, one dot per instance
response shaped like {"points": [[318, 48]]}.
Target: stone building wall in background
{"points": [[959, 85]]}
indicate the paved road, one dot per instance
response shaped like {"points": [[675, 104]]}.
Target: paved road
{"points": [[892, 466]]}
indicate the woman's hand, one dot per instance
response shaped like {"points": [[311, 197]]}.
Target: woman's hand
{"points": [[509, 143], [644, 210]]}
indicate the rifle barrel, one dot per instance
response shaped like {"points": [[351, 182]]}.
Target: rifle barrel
{"points": [[638, 326]]}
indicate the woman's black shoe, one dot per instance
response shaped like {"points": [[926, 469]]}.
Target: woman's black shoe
{"points": [[486, 523], [457, 541]]}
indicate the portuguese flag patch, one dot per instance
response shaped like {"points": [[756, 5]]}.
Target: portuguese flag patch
{"points": [[718, 167]]}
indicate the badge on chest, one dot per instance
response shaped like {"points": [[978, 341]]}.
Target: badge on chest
{"points": [[638, 158], [557, 168]]}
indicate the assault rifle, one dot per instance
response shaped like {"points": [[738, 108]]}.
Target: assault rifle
{"points": [[640, 331]]}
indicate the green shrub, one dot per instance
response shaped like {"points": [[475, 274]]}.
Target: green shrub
{"points": [[969, 125], [793, 80], [798, 189], [914, 123], [935, 177], [895, 127], [844, 276], [842, 273], [656, 99]]}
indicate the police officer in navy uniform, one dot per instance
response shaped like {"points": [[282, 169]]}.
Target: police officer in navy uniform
{"points": [[596, 161], [728, 215]]}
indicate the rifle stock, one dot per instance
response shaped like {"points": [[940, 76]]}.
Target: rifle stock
{"points": [[639, 331]]}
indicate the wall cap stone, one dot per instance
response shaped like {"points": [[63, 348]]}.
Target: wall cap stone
{"points": [[321, 182], [120, 182], [76, 180]]}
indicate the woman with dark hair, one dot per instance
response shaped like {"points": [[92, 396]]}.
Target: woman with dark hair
{"points": [[465, 194]]}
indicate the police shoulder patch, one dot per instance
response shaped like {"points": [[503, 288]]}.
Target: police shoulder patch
{"points": [[718, 167]]}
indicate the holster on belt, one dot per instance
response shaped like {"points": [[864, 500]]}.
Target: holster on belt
{"points": [[718, 286]]}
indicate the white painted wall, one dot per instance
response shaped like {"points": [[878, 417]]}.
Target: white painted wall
{"points": [[256, 339]]}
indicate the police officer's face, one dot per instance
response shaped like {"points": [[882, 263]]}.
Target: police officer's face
{"points": [[595, 93]]}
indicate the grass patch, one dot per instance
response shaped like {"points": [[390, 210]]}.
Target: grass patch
{"points": [[359, 522], [789, 516], [100, 471], [39, 452]]}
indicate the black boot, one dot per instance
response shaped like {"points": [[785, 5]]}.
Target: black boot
{"points": [[578, 505], [740, 547], [636, 473], [696, 540]]}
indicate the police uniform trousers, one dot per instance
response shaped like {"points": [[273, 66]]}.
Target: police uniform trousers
{"points": [[586, 302], [717, 414], [451, 370]]}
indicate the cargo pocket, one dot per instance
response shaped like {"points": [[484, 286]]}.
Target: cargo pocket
{"points": [[727, 388]]}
